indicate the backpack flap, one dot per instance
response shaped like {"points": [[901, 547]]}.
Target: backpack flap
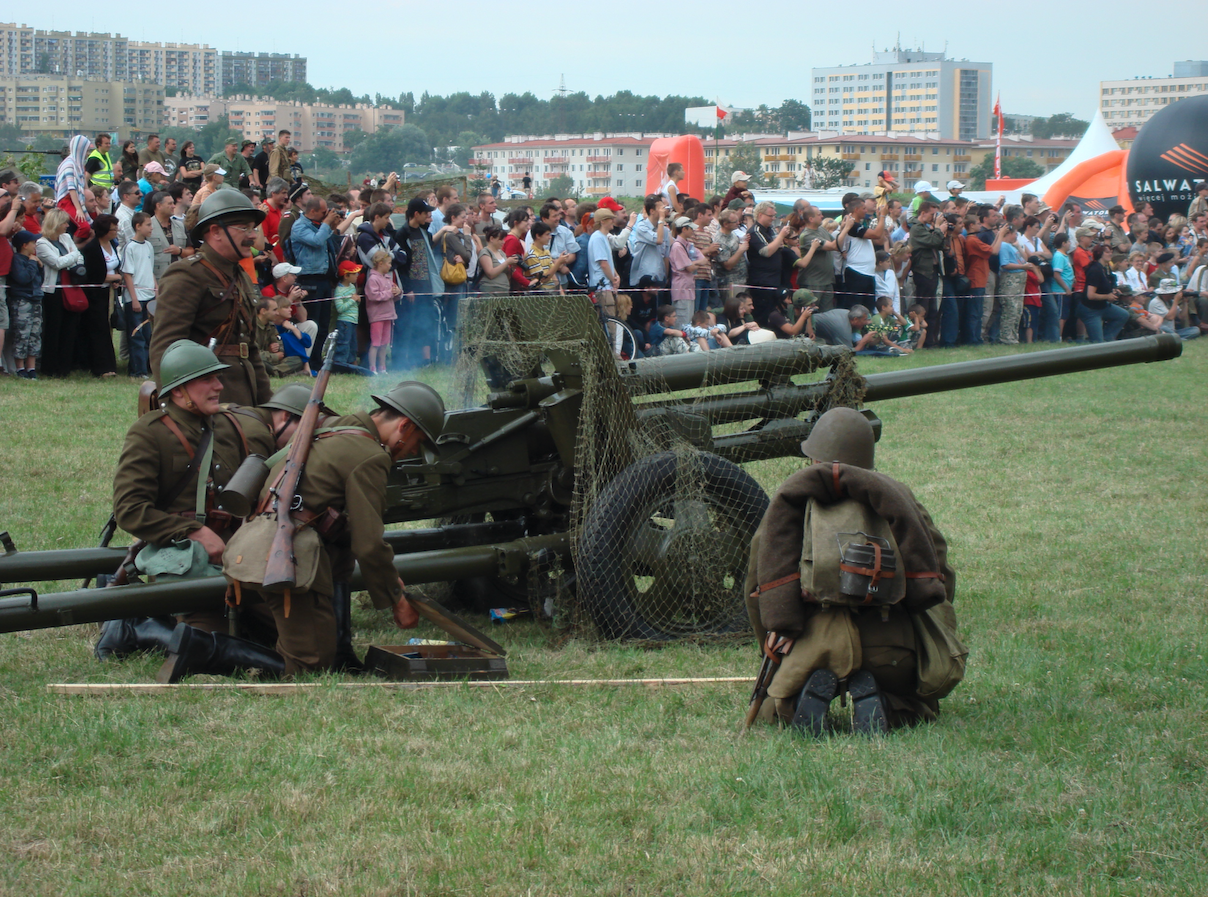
{"points": [[849, 528]]}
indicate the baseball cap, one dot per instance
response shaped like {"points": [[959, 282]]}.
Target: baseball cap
{"points": [[609, 203], [684, 221], [153, 168], [1086, 232], [923, 187], [21, 237], [349, 267], [887, 176], [1167, 285], [416, 205], [955, 185], [603, 215], [282, 268], [739, 176]]}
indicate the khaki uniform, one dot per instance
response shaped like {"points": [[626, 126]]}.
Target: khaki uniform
{"points": [[266, 336], [346, 472], [278, 163], [154, 460], [192, 306]]}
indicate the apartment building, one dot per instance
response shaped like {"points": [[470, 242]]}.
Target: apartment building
{"points": [[192, 68], [312, 125], [1135, 101], [904, 91], [598, 164], [61, 106], [258, 69]]}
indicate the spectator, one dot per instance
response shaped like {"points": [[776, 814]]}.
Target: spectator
{"points": [[233, 164], [1063, 284], [99, 166], [669, 189], [129, 199], [128, 162], [182, 197], [290, 298], [422, 286], [923, 192], [70, 182], [1098, 311], [704, 329], [24, 305], [299, 196], [249, 181], [278, 159], [730, 262], [168, 240], [260, 164], [1118, 240], [737, 318], [601, 271], [562, 245], [149, 153], [538, 264], [11, 211], [30, 195], [790, 316], [1134, 276], [457, 244], [494, 263], [59, 256], [1012, 281], [707, 249], [887, 285], [310, 239], [347, 306], [738, 186], [153, 179], [519, 221], [189, 170], [101, 264], [928, 234], [138, 267], [296, 172], [764, 269], [170, 162], [446, 195], [666, 338], [212, 175], [685, 262], [838, 327], [955, 282], [817, 263], [650, 242], [277, 193], [859, 237], [381, 292], [1169, 289]]}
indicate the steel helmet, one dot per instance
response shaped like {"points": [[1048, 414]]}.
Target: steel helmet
{"points": [[224, 204], [184, 361], [418, 402], [293, 398], [843, 435]]}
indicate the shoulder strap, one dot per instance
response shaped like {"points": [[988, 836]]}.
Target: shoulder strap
{"points": [[238, 428], [171, 425], [321, 433], [195, 463]]}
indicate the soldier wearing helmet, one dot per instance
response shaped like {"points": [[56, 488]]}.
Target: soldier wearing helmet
{"points": [[342, 494], [155, 487], [209, 298], [824, 640]]}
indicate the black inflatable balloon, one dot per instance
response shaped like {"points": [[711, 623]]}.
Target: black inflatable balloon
{"points": [[1169, 157]]}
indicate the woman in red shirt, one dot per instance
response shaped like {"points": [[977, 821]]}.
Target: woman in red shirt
{"points": [[519, 221]]}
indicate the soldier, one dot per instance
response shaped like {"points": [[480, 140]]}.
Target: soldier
{"points": [[155, 488], [209, 299], [895, 654], [343, 494]]}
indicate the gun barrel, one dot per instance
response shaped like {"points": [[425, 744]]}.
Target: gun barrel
{"points": [[189, 595], [767, 362], [989, 371]]}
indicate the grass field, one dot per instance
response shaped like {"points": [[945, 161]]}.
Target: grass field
{"points": [[1072, 760]]}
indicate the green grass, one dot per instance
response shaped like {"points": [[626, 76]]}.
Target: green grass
{"points": [[1072, 760]]}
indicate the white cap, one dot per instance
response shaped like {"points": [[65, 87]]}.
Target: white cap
{"points": [[282, 268], [221, 171], [955, 185], [923, 187], [684, 221]]}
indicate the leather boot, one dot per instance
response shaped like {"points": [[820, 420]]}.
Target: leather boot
{"points": [[867, 709], [814, 701], [192, 651], [341, 605], [120, 638]]}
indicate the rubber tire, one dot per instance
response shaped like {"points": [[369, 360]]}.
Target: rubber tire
{"points": [[605, 568]]}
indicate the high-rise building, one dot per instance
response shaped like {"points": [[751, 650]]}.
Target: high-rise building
{"points": [[190, 68], [258, 69], [904, 92], [1133, 102], [61, 105]]}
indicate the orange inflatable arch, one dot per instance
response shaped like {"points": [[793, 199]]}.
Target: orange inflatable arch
{"points": [[687, 151]]}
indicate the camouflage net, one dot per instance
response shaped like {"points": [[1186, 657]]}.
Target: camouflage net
{"points": [[659, 512]]}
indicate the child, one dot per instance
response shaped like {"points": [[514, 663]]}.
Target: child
{"points": [[380, 293], [538, 264], [138, 267], [25, 300], [917, 335], [706, 333], [665, 339], [886, 282], [348, 309], [887, 323]]}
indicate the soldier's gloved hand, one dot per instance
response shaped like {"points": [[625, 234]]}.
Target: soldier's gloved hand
{"points": [[404, 614], [209, 539]]}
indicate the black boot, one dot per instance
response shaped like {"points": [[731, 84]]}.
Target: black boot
{"points": [[120, 638], [192, 651], [867, 709], [341, 605], [815, 699]]}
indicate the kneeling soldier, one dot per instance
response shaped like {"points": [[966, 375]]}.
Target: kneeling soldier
{"points": [[343, 495], [850, 590]]}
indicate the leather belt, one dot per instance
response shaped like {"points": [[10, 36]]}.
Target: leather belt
{"points": [[239, 349]]}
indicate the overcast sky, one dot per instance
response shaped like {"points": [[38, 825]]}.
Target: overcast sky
{"points": [[1047, 57]]}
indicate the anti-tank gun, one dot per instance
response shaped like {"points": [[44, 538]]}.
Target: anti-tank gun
{"points": [[625, 477]]}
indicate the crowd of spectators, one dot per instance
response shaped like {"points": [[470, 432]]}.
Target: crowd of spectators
{"points": [[389, 277]]}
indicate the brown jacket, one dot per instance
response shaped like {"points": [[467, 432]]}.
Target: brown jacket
{"points": [[153, 461], [278, 163], [194, 303]]}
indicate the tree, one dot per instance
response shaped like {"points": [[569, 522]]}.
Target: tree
{"points": [[324, 159], [461, 153], [794, 116], [744, 157], [1012, 167], [563, 185], [1063, 124], [354, 137], [391, 148], [828, 171]]}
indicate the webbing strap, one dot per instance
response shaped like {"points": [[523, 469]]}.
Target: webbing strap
{"points": [[775, 583], [203, 472]]}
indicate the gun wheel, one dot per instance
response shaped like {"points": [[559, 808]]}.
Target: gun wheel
{"points": [[664, 548]]}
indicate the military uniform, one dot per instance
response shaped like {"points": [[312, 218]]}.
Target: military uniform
{"points": [[192, 305], [266, 336], [346, 472], [149, 499]]}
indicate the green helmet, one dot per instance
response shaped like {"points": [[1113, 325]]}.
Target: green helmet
{"points": [[420, 403], [843, 435], [224, 204], [293, 398], [184, 361]]}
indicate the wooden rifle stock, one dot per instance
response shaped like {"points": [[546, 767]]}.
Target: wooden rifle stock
{"points": [[281, 572]]}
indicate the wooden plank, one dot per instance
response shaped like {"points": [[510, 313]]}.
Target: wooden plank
{"points": [[288, 688]]}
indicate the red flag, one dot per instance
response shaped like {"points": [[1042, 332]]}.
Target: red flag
{"points": [[998, 138], [721, 113]]}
